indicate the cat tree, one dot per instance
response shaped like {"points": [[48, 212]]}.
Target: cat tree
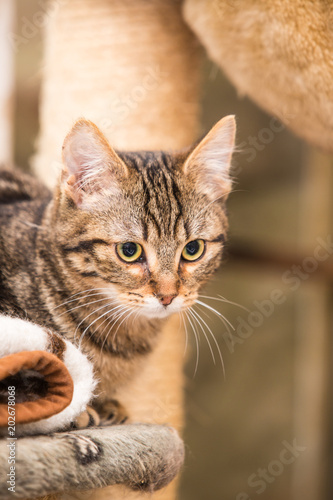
{"points": [[6, 82], [133, 68]]}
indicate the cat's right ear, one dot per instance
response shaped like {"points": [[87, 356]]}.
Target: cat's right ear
{"points": [[208, 165], [90, 165]]}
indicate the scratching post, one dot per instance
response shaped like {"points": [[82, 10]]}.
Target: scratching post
{"points": [[6, 82], [133, 69], [130, 67]]}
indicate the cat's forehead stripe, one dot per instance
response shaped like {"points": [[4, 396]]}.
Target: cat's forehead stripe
{"points": [[162, 204]]}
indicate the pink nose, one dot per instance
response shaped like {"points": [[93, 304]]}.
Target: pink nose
{"points": [[166, 299]]}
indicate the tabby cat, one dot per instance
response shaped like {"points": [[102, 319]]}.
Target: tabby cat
{"points": [[126, 240]]}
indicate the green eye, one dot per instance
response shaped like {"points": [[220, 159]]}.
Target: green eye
{"points": [[193, 250], [129, 251]]}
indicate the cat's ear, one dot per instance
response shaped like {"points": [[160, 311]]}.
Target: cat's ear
{"points": [[208, 164], [90, 165]]}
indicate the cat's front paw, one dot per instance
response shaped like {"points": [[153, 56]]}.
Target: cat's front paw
{"points": [[111, 412], [88, 418]]}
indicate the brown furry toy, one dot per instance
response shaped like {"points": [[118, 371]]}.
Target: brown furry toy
{"points": [[45, 382]]}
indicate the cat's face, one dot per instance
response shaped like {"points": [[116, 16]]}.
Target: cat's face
{"points": [[146, 229]]}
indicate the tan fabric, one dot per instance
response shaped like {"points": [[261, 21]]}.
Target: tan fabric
{"points": [[60, 385], [278, 52]]}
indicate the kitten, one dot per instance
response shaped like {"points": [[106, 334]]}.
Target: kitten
{"points": [[125, 240]]}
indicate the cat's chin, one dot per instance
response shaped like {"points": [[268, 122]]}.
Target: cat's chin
{"points": [[157, 314], [153, 309]]}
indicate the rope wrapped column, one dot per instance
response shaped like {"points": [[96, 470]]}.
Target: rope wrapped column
{"points": [[132, 68], [7, 12]]}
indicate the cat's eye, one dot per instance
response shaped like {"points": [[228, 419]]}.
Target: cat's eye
{"points": [[129, 251], [193, 250]]}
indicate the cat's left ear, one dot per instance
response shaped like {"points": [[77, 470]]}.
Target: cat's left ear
{"points": [[209, 163], [91, 166]]}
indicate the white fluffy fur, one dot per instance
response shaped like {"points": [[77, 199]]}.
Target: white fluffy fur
{"points": [[17, 335]]}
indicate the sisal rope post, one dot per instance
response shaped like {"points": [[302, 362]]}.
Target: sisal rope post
{"points": [[132, 68], [7, 11]]}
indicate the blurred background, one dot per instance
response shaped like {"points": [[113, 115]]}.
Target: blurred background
{"points": [[262, 430]]}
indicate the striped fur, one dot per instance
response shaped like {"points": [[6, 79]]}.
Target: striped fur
{"points": [[58, 262]]}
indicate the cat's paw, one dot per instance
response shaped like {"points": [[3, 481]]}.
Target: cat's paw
{"points": [[111, 412], [88, 418]]}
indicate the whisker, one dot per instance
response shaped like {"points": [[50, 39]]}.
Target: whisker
{"points": [[108, 320], [136, 315], [217, 313], [186, 332], [223, 299], [78, 298], [84, 305], [114, 320], [119, 313], [215, 341], [196, 341], [196, 317], [86, 329], [118, 310], [86, 317], [128, 309], [108, 317], [202, 310]]}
